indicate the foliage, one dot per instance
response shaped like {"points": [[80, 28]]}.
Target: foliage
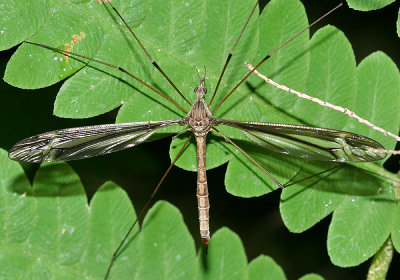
{"points": [[368, 5], [181, 37], [398, 24], [49, 231]]}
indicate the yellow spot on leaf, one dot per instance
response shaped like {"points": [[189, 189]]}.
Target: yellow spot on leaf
{"points": [[69, 46]]}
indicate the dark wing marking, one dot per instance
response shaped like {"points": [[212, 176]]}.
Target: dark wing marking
{"points": [[84, 142], [309, 142]]}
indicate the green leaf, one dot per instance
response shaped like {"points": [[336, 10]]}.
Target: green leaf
{"points": [[332, 78], [363, 5], [167, 248], [111, 214], [398, 24], [50, 232], [20, 19], [59, 235], [360, 226], [378, 88], [14, 207], [279, 21], [264, 267], [302, 206], [34, 67], [222, 261], [396, 228], [311, 276]]}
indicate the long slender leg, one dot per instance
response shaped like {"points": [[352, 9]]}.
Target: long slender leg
{"points": [[316, 174], [250, 158], [139, 216], [231, 53], [110, 65], [272, 53], [148, 55]]}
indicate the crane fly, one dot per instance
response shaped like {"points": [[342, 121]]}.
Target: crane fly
{"points": [[302, 141]]}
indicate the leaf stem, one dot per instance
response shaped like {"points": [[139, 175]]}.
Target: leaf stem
{"points": [[381, 261]]}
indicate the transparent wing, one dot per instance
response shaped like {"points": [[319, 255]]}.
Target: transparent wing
{"points": [[84, 142], [309, 142]]}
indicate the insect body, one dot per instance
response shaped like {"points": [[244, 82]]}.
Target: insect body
{"points": [[302, 141]]}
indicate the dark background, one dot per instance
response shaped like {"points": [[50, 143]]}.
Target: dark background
{"points": [[256, 220]]}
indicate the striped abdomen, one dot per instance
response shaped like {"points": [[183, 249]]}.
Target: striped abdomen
{"points": [[202, 190]]}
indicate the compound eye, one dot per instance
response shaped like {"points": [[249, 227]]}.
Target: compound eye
{"points": [[196, 89], [205, 91]]}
